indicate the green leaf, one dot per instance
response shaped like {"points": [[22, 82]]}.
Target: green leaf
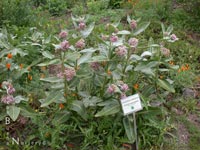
{"points": [[88, 50], [163, 28], [170, 29], [47, 54], [128, 19], [4, 52], [124, 32], [73, 56], [79, 107], [51, 62], [13, 112], [28, 112], [91, 101], [141, 27], [84, 58], [112, 107], [2, 116], [16, 51], [20, 98], [61, 117], [128, 126], [98, 59], [52, 79], [85, 33], [146, 67], [52, 97], [166, 85]]}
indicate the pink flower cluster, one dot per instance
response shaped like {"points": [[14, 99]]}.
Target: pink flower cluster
{"points": [[63, 34], [69, 73], [104, 37], [11, 89], [80, 44], [81, 25], [112, 88], [121, 51], [165, 51], [8, 99], [120, 87], [95, 66], [114, 38], [64, 45], [133, 42], [173, 37], [133, 24]]}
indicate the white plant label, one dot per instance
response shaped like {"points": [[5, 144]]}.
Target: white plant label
{"points": [[131, 104]]}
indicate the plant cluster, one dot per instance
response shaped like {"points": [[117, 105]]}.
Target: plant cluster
{"points": [[82, 74]]}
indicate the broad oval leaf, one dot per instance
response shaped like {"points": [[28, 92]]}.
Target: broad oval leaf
{"points": [[52, 79], [124, 32], [84, 58], [61, 117], [79, 107], [47, 54], [85, 33], [111, 108], [166, 85], [13, 112], [141, 27], [146, 53], [73, 56], [52, 97], [128, 126], [51, 62]]}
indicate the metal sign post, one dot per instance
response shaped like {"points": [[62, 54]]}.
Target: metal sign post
{"points": [[135, 131], [130, 105]]}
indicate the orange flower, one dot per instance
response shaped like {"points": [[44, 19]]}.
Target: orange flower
{"points": [[109, 72], [9, 55], [61, 106], [65, 95], [21, 66], [8, 66], [136, 86], [42, 75], [70, 145], [30, 77], [127, 146], [187, 67], [43, 68], [74, 94], [161, 77], [184, 68], [29, 68], [171, 63]]}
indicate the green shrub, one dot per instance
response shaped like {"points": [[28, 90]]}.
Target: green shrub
{"points": [[56, 7], [15, 12]]}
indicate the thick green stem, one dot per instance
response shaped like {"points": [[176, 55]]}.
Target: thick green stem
{"points": [[65, 78], [126, 63], [156, 73]]}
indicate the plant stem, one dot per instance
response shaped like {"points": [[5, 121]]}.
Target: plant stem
{"points": [[126, 63], [65, 79]]}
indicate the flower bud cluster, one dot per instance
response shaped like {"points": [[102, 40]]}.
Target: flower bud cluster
{"points": [[119, 87], [10, 90]]}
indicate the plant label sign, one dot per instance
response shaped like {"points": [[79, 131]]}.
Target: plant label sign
{"points": [[131, 104]]}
